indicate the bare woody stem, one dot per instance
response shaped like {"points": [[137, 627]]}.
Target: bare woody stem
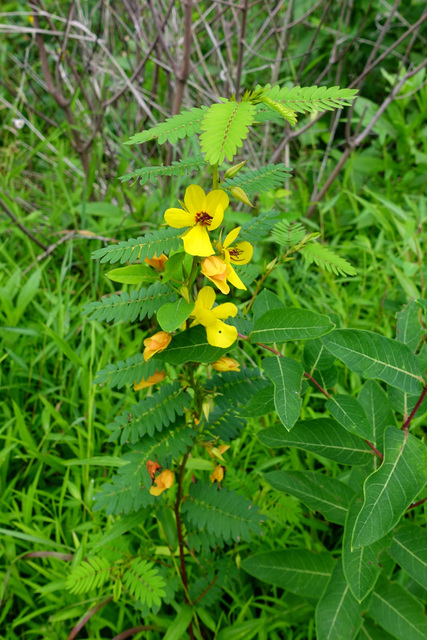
{"points": [[407, 422], [181, 539], [316, 384]]}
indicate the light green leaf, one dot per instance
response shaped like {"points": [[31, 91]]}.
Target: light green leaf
{"points": [[326, 259], [298, 570], [286, 375], [325, 437], [180, 624], [63, 346], [350, 414], [225, 126], [389, 491], [409, 549], [290, 323], [373, 356], [191, 346], [378, 409], [338, 614], [316, 490], [398, 612], [132, 274], [361, 566], [171, 315], [173, 265]]}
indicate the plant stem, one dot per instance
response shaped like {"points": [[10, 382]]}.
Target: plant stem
{"points": [[181, 540], [416, 504], [215, 176], [406, 424]]}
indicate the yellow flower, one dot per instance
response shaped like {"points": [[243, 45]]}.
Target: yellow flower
{"points": [[240, 253], [158, 263], [202, 213], [154, 379], [218, 333], [218, 474], [163, 481], [217, 272], [226, 364], [156, 343]]}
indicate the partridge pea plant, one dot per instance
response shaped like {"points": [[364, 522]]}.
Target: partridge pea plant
{"points": [[218, 350]]}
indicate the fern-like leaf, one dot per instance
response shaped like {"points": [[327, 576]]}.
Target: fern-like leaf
{"points": [[123, 373], [224, 127], [224, 513], [259, 226], [288, 234], [199, 539], [128, 307], [151, 414], [224, 422], [288, 114], [260, 180], [155, 243], [327, 259], [236, 386], [184, 124], [90, 574], [144, 582], [118, 496], [175, 169], [309, 99]]}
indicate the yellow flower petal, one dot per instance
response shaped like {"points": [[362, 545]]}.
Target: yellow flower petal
{"points": [[215, 199], [178, 218], [221, 335], [230, 238], [206, 317], [235, 280], [216, 219], [206, 298], [225, 310], [218, 474], [197, 242], [195, 199], [225, 364], [241, 253]]}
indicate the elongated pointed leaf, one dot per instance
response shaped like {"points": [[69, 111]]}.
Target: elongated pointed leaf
{"points": [[290, 323], [298, 570], [316, 490], [409, 329], [286, 375], [409, 549], [132, 274], [361, 566], [378, 409], [191, 346], [325, 437], [373, 356], [338, 614], [389, 491], [264, 302], [171, 315], [371, 631], [351, 415], [261, 403], [398, 612]]}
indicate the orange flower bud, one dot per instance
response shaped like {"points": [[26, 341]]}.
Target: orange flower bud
{"points": [[157, 263], [218, 474], [226, 364], [154, 379], [217, 271], [152, 467], [156, 343], [163, 481]]}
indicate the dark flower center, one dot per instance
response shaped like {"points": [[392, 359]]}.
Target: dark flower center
{"points": [[203, 218], [235, 254]]}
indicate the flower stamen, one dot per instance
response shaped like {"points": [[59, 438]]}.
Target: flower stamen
{"points": [[203, 218]]}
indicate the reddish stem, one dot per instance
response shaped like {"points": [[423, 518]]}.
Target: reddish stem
{"points": [[415, 409], [416, 504]]}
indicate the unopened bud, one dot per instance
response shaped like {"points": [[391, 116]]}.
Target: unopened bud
{"points": [[239, 194], [233, 171], [185, 293]]}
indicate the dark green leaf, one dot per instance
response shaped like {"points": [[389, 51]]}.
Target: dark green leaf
{"points": [[409, 549], [350, 414], [261, 403], [290, 323], [191, 346], [398, 612], [378, 409], [286, 375]]}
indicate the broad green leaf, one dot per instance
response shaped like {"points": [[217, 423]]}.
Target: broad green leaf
{"points": [[325, 437], [350, 414], [370, 631], [171, 315], [286, 375], [373, 356], [261, 403], [378, 409], [132, 274], [264, 302], [361, 566], [179, 625], [316, 490], [191, 346], [316, 356], [338, 614], [389, 491], [409, 329], [409, 549], [172, 265], [290, 323], [398, 612], [301, 571]]}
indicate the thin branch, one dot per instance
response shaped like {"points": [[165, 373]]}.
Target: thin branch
{"points": [[28, 233], [407, 422]]}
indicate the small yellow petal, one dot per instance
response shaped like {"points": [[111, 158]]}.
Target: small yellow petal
{"points": [[217, 218], [206, 318], [241, 253], [221, 335], [206, 297], [215, 199], [178, 218], [195, 199], [230, 238], [225, 310], [197, 242], [235, 280]]}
